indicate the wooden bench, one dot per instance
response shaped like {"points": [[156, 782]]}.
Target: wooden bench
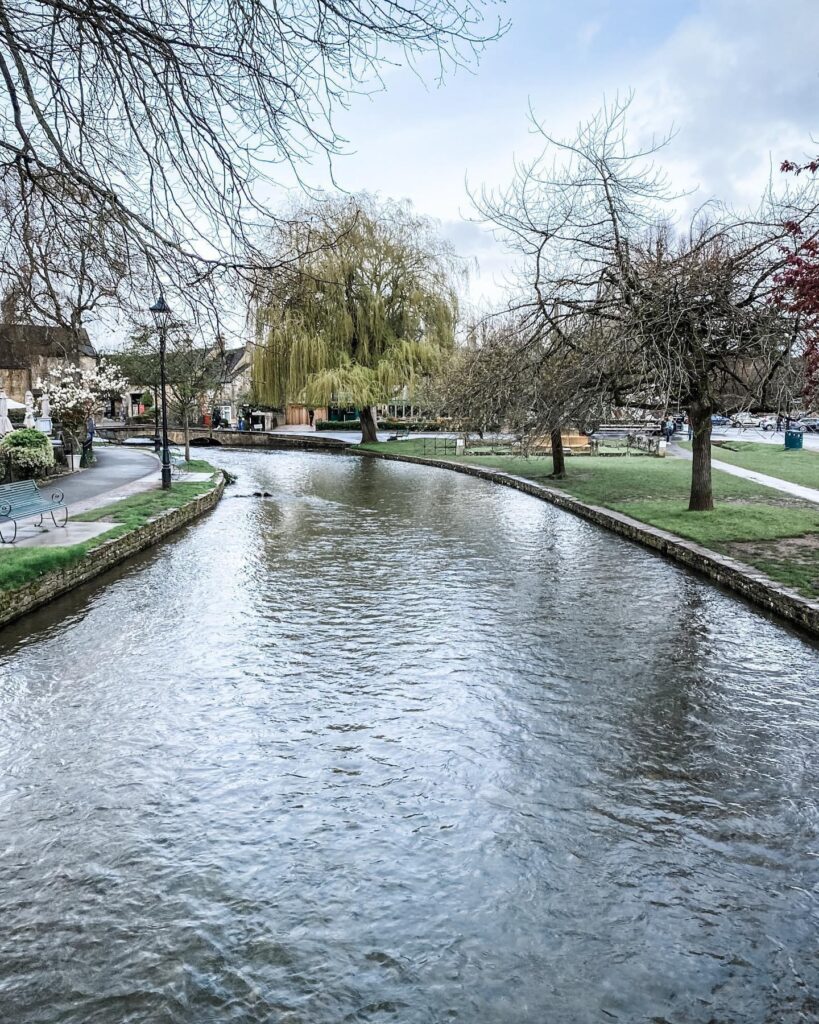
{"points": [[400, 435], [25, 499]]}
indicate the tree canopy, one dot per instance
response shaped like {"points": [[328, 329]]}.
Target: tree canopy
{"points": [[370, 304], [159, 118]]}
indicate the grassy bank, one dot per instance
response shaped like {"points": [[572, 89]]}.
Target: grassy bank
{"points": [[754, 524], [798, 467], [19, 566]]}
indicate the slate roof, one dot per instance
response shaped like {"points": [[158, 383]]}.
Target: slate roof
{"points": [[20, 343], [233, 358]]}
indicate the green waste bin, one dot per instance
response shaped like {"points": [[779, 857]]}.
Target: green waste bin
{"points": [[793, 438]]}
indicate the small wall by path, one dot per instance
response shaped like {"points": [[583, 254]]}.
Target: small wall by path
{"points": [[743, 579], [14, 604], [202, 438]]}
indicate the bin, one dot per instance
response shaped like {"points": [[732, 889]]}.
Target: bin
{"points": [[793, 438]]}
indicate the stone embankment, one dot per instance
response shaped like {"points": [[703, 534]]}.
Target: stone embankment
{"points": [[19, 601], [751, 584]]}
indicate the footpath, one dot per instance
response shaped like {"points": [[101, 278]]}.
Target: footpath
{"points": [[118, 473], [116, 509], [774, 482]]}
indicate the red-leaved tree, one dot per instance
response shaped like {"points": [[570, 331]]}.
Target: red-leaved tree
{"points": [[798, 286]]}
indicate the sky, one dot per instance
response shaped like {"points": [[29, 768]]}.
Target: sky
{"points": [[737, 79]]}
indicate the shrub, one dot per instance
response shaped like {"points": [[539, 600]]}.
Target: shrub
{"points": [[338, 425], [28, 451], [416, 426]]}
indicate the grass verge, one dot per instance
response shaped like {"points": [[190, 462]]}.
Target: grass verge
{"points": [[799, 466]]}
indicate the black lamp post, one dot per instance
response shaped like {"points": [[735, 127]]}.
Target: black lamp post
{"points": [[162, 314]]}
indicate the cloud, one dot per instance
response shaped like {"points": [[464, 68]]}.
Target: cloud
{"points": [[588, 31], [739, 80]]}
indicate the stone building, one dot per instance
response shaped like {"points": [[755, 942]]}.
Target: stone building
{"points": [[235, 389], [29, 351]]}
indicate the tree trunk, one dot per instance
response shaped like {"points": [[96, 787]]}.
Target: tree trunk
{"points": [[558, 456], [368, 425], [702, 497], [187, 436]]}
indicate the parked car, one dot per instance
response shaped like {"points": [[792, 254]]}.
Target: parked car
{"points": [[809, 423], [718, 420], [768, 422], [745, 419]]}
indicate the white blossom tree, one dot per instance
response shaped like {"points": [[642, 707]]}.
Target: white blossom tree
{"points": [[74, 393]]}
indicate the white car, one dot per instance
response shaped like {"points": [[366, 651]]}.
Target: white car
{"points": [[768, 422], [745, 419]]}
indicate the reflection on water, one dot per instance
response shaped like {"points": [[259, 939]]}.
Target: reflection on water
{"points": [[399, 745]]}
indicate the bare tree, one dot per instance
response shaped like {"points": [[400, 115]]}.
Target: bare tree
{"points": [[61, 262], [687, 321], [703, 332], [512, 379], [193, 371], [164, 117]]}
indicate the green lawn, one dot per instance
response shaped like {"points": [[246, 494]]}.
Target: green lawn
{"points": [[135, 511], [21, 565], [198, 466], [799, 467], [749, 522]]}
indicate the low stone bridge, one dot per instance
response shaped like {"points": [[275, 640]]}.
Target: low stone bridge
{"points": [[204, 437]]}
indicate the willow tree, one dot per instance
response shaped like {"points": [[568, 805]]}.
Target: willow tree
{"points": [[367, 305]]}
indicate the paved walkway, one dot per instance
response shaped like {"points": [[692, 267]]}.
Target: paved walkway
{"points": [[785, 486], [759, 436], [119, 473]]}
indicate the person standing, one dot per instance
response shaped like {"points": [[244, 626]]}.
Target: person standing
{"points": [[88, 443]]}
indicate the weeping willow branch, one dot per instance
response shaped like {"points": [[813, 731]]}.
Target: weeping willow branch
{"points": [[363, 316]]}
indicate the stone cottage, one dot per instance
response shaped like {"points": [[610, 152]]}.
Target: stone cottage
{"points": [[29, 351]]}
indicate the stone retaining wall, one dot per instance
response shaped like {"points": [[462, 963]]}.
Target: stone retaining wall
{"points": [[230, 438], [751, 584], [22, 600]]}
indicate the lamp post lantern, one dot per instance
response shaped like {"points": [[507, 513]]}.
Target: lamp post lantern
{"points": [[162, 314]]}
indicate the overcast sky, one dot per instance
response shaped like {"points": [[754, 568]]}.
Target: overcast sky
{"points": [[739, 79]]}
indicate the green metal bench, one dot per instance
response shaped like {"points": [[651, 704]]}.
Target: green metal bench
{"points": [[177, 461], [25, 499]]}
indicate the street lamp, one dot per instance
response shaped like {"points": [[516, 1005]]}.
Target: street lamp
{"points": [[162, 315]]}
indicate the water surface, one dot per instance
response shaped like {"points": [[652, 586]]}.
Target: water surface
{"points": [[398, 745]]}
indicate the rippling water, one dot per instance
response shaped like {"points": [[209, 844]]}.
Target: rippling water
{"points": [[399, 745]]}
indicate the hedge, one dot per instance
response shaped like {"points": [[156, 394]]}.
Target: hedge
{"points": [[414, 425]]}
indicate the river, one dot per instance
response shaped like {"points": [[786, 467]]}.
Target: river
{"points": [[399, 745]]}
